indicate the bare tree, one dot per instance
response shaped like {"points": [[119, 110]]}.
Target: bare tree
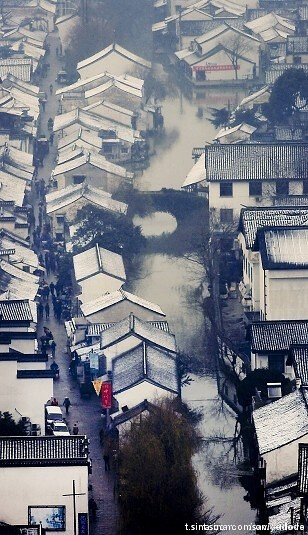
{"points": [[236, 46]]}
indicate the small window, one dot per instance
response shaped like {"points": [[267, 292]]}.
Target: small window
{"points": [[200, 76], [305, 187], [276, 363], [226, 215], [78, 179], [226, 189], [107, 148], [282, 187], [26, 269], [255, 188], [297, 60], [60, 219], [124, 150], [59, 236], [274, 390]]}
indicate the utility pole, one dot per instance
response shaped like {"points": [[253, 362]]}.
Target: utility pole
{"points": [[74, 494]]}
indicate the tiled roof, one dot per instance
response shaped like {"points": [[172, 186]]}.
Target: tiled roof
{"points": [[66, 196], [133, 326], [277, 69], [303, 469], [97, 160], [286, 133], [19, 67], [277, 335], [299, 355], [108, 300], [297, 44], [256, 161], [288, 513], [253, 219], [283, 248], [291, 200], [123, 417], [145, 363], [16, 283], [97, 328], [43, 451], [35, 374], [98, 260], [15, 310], [114, 48], [281, 422]]}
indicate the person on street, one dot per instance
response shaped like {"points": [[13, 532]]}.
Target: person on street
{"points": [[47, 311], [51, 88], [107, 462], [51, 138], [40, 310], [52, 288], [75, 429], [55, 402], [67, 404], [92, 509], [53, 346]]}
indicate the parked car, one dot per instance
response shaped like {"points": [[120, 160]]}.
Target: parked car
{"points": [[52, 414], [59, 428]]}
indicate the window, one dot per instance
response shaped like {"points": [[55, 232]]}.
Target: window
{"points": [[276, 363], [107, 148], [124, 150], [226, 215], [305, 187], [282, 187], [60, 219], [274, 390], [297, 60], [226, 189], [59, 236], [78, 179], [26, 269], [255, 188], [200, 76]]}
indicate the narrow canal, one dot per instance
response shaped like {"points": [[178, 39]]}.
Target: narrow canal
{"points": [[175, 283]]}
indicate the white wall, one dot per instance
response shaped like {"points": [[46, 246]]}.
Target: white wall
{"points": [[244, 71], [139, 393], [97, 285], [42, 486], [286, 294], [121, 310], [28, 396], [282, 462]]}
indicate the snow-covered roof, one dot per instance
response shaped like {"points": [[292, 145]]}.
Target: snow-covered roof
{"points": [[97, 160], [22, 254], [16, 283], [58, 200], [133, 326], [84, 136], [281, 422], [283, 248], [252, 219], [98, 260], [117, 49], [243, 127], [197, 173], [269, 22], [19, 67], [108, 300]]}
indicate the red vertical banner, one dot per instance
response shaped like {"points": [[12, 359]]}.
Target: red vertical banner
{"points": [[106, 395]]}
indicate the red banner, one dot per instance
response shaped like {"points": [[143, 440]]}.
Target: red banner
{"points": [[106, 395], [215, 68]]}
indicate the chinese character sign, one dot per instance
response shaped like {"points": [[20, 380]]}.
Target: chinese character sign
{"points": [[106, 393]]}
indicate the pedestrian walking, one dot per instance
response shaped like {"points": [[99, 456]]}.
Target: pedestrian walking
{"points": [[47, 311], [57, 51], [43, 104], [40, 218], [51, 138], [51, 88], [75, 429], [53, 346], [107, 462], [92, 509], [52, 289], [67, 404], [40, 310]]}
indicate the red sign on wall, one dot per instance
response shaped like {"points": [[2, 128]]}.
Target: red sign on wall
{"points": [[216, 68], [106, 395]]}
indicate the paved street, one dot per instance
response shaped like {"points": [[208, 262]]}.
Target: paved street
{"points": [[85, 412]]}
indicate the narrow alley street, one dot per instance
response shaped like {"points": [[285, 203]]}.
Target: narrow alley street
{"points": [[85, 412]]}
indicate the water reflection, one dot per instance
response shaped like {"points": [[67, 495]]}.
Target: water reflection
{"points": [[156, 224]]}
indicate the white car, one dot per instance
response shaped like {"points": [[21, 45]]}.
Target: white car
{"points": [[59, 428]]}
